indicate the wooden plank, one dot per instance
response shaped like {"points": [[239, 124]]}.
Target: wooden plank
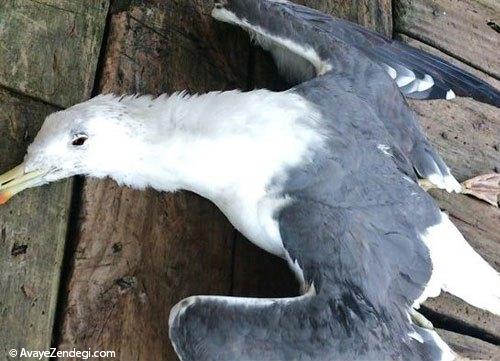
{"points": [[140, 252], [448, 311], [470, 347], [32, 236], [374, 14], [461, 28], [52, 48], [260, 274], [466, 133]]}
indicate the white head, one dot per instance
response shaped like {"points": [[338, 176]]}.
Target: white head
{"points": [[213, 144], [98, 138]]}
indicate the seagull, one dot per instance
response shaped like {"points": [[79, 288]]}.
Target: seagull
{"points": [[324, 175]]}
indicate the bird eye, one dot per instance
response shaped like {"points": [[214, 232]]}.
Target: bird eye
{"points": [[79, 139]]}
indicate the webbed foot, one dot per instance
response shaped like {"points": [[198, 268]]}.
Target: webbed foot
{"points": [[485, 187]]}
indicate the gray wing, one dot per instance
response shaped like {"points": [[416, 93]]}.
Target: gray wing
{"points": [[418, 74], [306, 328], [359, 192], [353, 226], [288, 29]]}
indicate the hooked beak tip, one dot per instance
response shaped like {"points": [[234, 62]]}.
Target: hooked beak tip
{"points": [[16, 180], [4, 197]]}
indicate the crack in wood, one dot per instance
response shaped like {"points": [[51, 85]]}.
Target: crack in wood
{"points": [[449, 323], [492, 24], [53, 6]]}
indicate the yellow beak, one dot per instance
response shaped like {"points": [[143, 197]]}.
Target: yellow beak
{"points": [[17, 180]]}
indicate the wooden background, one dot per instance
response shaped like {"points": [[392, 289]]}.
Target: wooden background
{"points": [[87, 264]]}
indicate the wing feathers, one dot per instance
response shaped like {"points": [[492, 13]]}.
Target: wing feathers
{"points": [[419, 74]]}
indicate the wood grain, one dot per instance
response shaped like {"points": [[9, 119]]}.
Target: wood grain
{"points": [[260, 274], [470, 347], [140, 252], [374, 14], [49, 48], [461, 28], [466, 133], [32, 236]]}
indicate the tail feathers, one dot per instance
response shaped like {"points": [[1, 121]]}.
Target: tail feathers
{"points": [[459, 270]]}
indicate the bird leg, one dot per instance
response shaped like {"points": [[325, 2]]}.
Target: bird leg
{"points": [[485, 187], [420, 320], [426, 184]]}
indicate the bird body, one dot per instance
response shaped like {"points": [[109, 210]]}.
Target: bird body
{"points": [[324, 175], [303, 176]]}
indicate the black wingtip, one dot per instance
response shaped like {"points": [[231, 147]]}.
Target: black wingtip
{"points": [[449, 80]]}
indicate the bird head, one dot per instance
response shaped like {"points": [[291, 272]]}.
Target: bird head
{"points": [[91, 138]]}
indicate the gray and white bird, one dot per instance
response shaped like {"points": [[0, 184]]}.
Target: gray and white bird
{"points": [[324, 175]]}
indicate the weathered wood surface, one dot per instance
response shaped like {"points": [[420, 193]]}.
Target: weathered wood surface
{"points": [[140, 252], [465, 132], [32, 236], [374, 14], [49, 48], [259, 274], [464, 29], [470, 347]]}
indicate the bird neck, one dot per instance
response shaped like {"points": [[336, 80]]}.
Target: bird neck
{"points": [[220, 144]]}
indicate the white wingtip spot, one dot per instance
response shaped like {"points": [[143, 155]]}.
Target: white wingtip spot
{"points": [[450, 95], [452, 185], [391, 71], [447, 182], [426, 83], [404, 80], [447, 352], [405, 76]]}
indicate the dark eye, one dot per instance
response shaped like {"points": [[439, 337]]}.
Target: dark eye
{"points": [[79, 139]]}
